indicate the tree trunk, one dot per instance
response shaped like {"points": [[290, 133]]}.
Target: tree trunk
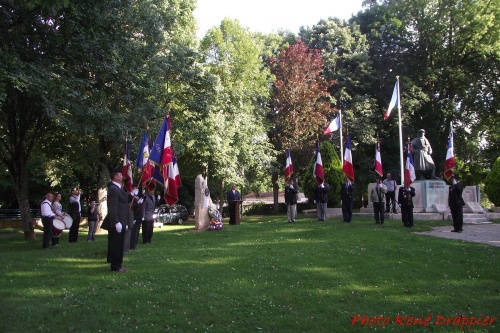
{"points": [[276, 189], [102, 182], [20, 181]]}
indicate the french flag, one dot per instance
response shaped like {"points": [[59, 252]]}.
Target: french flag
{"points": [[161, 152], [174, 181], [348, 167], [450, 163], [318, 172], [394, 100], [378, 160], [127, 168], [334, 125], [410, 165], [289, 165]]}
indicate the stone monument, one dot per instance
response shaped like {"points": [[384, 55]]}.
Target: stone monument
{"points": [[202, 201], [422, 150]]}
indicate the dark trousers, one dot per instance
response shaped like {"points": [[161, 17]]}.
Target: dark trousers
{"points": [[390, 200], [232, 212], [347, 210], [134, 236], [47, 231], [147, 231], [457, 213], [115, 248], [73, 230], [407, 216], [378, 210]]}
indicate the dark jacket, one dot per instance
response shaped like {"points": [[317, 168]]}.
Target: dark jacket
{"points": [[321, 193], [347, 192], [118, 207], [291, 195], [455, 198], [405, 197]]}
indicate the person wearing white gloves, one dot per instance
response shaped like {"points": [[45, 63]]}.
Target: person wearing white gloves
{"points": [[120, 216]]}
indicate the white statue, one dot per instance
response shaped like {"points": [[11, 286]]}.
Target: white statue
{"points": [[202, 201]]}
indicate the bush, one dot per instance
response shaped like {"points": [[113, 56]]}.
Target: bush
{"points": [[492, 184]]}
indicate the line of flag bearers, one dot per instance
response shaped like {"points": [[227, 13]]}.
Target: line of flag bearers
{"points": [[156, 161]]}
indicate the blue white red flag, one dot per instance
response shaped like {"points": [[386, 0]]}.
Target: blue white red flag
{"points": [[161, 156], [410, 165], [142, 162], [450, 163], [318, 172], [334, 125], [289, 165], [348, 167], [394, 100], [127, 169], [378, 160]]}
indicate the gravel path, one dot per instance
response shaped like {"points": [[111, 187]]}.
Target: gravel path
{"points": [[480, 233]]}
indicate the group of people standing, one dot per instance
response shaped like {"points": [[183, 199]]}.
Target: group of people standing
{"points": [[127, 212], [383, 197]]}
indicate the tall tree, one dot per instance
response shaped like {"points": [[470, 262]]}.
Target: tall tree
{"points": [[90, 68], [440, 49], [300, 102], [232, 141]]}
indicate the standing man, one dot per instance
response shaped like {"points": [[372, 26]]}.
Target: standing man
{"points": [[47, 220], [232, 196], [321, 200], [149, 204], [75, 210], [456, 203], [291, 200], [377, 197], [120, 216], [390, 195], [405, 199], [138, 209], [92, 218], [347, 197]]}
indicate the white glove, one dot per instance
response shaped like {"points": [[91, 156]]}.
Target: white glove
{"points": [[322, 185], [134, 192], [134, 222], [314, 201], [118, 227], [140, 200]]}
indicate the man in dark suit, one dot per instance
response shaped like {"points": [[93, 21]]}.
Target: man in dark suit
{"points": [[120, 216], [405, 200], [75, 211], [456, 203], [232, 196], [347, 197]]}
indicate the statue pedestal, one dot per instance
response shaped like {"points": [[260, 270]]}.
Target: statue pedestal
{"points": [[433, 194]]}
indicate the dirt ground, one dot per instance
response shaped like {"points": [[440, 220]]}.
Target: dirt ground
{"points": [[488, 233]]}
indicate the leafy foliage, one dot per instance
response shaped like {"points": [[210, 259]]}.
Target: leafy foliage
{"points": [[333, 174], [492, 184]]}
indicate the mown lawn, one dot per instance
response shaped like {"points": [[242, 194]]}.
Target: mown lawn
{"points": [[264, 275]]}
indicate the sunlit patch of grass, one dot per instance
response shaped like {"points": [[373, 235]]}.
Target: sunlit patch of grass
{"points": [[263, 275]]}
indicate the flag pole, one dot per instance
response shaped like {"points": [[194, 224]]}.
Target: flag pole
{"points": [[341, 145], [400, 135]]}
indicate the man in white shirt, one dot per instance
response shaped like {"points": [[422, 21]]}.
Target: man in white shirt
{"points": [[47, 220]]}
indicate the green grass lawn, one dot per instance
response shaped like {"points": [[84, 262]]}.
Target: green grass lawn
{"points": [[264, 275]]}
